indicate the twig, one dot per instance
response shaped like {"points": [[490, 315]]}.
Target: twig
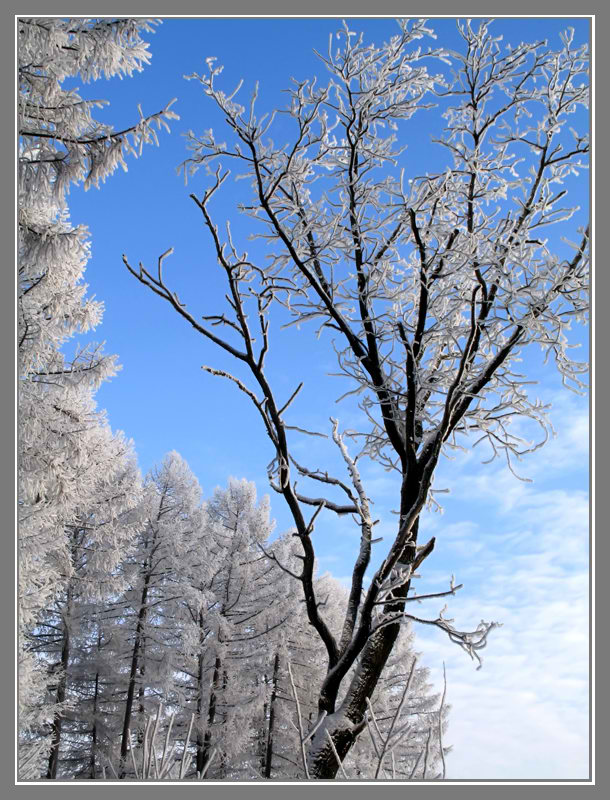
{"points": [[440, 720], [395, 718], [152, 757], [470, 641], [273, 557], [145, 744], [301, 738], [312, 521], [290, 399], [368, 726], [332, 744], [133, 758], [166, 758], [420, 597], [304, 430], [315, 727], [113, 770], [372, 713], [184, 764]]}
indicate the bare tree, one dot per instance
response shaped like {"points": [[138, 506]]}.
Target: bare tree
{"points": [[430, 288]]}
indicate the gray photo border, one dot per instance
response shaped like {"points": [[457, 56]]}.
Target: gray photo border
{"points": [[8, 389]]}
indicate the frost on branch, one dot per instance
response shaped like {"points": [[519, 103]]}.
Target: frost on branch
{"points": [[60, 142]]}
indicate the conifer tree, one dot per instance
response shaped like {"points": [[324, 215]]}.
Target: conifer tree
{"points": [[231, 619], [60, 144], [89, 578], [154, 572]]}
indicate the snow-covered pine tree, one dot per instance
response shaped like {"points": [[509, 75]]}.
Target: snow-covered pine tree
{"points": [[59, 144], [149, 629], [65, 638], [230, 620]]}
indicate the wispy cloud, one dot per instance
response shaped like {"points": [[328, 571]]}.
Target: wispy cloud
{"points": [[525, 713]]}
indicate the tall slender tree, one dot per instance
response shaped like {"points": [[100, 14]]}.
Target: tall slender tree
{"points": [[231, 618], [60, 143], [156, 580]]}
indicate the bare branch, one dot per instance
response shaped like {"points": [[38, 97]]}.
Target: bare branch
{"points": [[334, 749], [300, 722], [290, 399], [395, 718]]}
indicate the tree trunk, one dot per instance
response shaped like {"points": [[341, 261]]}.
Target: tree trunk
{"points": [[223, 759], [61, 692], [200, 758], [269, 749], [346, 723], [141, 692], [204, 752], [262, 737], [132, 677], [93, 757]]}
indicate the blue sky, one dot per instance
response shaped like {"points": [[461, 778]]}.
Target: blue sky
{"points": [[521, 549]]}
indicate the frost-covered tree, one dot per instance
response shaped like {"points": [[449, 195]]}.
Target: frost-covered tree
{"points": [[156, 581], [431, 286], [87, 569], [60, 143], [291, 642], [68, 561], [233, 608]]}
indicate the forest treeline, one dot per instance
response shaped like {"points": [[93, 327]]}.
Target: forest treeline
{"points": [[179, 603]]}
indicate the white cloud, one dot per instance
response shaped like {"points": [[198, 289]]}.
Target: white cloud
{"points": [[524, 715]]}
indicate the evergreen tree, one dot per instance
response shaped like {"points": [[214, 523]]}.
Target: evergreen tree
{"points": [[60, 144], [66, 637], [230, 613], [150, 629]]}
